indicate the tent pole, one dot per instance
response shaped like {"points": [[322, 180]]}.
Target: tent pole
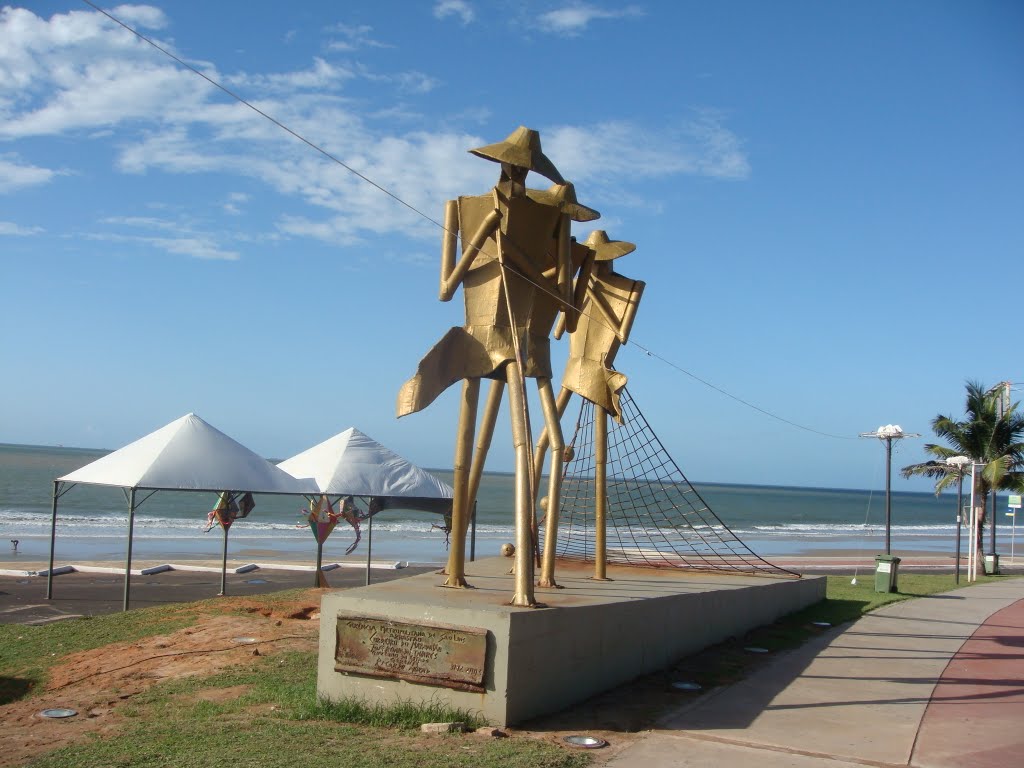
{"points": [[224, 563], [128, 561], [319, 563], [53, 541], [472, 534], [369, 549]]}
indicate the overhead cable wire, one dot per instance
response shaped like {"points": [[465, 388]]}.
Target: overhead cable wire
{"points": [[435, 222], [260, 112], [651, 353]]}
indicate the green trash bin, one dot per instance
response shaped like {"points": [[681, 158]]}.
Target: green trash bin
{"points": [[886, 572], [992, 565]]}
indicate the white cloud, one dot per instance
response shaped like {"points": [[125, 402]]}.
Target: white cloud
{"points": [[321, 76], [141, 16], [72, 73], [233, 205], [187, 240], [16, 230], [721, 151], [460, 8], [353, 38], [147, 222], [407, 82], [15, 175], [574, 18], [194, 246], [700, 147]]}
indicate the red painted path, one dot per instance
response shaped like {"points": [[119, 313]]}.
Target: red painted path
{"points": [[976, 714]]}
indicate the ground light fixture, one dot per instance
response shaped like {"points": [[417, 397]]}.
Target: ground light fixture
{"points": [[58, 713], [687, 686], [585, 742]]}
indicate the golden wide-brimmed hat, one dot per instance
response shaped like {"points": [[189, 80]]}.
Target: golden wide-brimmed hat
{"points": [[564, 196], [522, 148], [605, 249]]}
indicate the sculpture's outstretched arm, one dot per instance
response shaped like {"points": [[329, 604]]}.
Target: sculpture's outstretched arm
{"points": [[568, 320], [630, 314], [624, 325], [565, 260], [449, 239], [453, 274]]}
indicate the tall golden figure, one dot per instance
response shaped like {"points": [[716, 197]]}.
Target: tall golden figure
{"points": [[607, 304], [507, 268]]}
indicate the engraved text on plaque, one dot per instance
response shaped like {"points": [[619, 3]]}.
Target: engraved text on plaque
{"points": [[436, 654]]}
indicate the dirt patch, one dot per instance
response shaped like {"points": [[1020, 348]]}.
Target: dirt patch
{"points": [[99, 682]]}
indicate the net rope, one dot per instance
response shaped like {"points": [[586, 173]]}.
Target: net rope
{"points": [[655, 517]]}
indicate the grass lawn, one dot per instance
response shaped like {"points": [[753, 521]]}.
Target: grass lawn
{"points": [[266, 713]]}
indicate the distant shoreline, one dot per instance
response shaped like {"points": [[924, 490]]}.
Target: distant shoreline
{"points": [[503, 473]]}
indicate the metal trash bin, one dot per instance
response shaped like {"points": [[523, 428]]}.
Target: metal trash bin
{"points": [[992, 564], [886, 573]]}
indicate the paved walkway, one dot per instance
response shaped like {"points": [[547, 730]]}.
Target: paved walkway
{"points": [[935, 682]]}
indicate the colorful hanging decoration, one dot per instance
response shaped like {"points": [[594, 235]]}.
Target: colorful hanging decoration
{"points": [[228, 509], [224, 513], [321, 519]]}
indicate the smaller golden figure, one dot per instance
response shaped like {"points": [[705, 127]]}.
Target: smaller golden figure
{"points": [[608, 304]]}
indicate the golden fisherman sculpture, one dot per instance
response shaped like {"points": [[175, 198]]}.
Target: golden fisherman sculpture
{"points": [[516, 270], [607, 303]]}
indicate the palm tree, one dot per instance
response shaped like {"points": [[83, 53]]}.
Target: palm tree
{"points": [[989, 435]]}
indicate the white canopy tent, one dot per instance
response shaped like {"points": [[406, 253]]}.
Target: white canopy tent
{"points": [[354, 464], [186, 455]]}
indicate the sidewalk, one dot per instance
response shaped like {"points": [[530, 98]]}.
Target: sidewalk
{"points": [[935, 682]]}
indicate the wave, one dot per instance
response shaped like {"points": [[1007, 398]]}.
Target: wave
{"points": [[14, 523]]}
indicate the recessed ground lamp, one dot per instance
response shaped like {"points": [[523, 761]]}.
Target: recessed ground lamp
{"points": [[58, 713], [585, 742]]}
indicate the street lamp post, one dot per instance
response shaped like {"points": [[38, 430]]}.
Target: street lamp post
{"points": [[958, 463], [887, 434]]}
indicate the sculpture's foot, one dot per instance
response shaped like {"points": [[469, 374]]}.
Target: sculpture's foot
{"points": [[456, 582], [522, 601], [549, 584], [442, 572], [600, 578]]}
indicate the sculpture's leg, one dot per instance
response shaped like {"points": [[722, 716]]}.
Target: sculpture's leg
{"points": [[542, 445], [600, 491], [553, 427], [460, 508], [523, 489], [483, 441]]}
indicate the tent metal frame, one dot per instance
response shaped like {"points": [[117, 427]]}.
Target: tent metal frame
{"points": [[60, 488]]}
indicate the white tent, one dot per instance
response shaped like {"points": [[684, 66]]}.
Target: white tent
{"points": [[354, 464], [186, 455]]}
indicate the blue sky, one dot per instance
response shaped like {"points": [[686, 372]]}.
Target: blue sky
{"points": [[827, 200]]}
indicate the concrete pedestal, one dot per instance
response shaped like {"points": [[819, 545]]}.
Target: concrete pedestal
{"points": [[590, 636]]}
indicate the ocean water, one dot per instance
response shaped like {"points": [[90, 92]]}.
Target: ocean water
{"points": [[92, 521]]}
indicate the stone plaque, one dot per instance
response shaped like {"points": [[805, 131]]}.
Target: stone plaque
{"points": [[421, 652]]}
